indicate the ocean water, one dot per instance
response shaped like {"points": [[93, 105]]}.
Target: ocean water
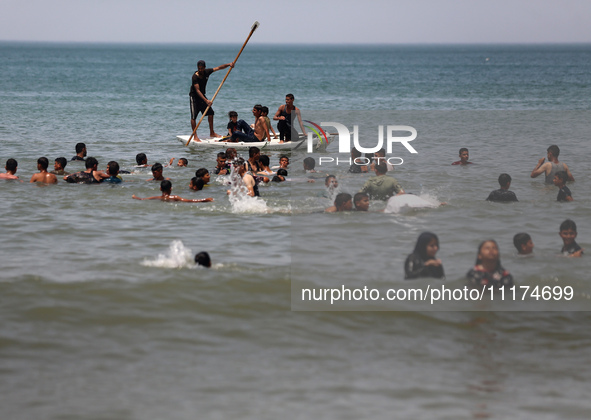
{"points": [[104, 315]]}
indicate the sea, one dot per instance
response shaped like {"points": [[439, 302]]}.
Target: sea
{"points": [[104, 314]]}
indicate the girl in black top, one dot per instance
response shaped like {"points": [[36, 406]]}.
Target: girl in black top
{"points": [[422, 262]]}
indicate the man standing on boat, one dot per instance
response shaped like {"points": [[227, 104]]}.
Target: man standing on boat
{"points": [[199, 101], [285, 117]]}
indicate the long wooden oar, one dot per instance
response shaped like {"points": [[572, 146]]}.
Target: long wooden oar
{"points": [[255, 25]]}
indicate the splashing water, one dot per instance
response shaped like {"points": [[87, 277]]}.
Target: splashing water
{"points": [[240, 200], [178, 256]]}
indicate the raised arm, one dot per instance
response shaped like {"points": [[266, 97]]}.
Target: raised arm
{"points": [[224, 66], [539, 169]]}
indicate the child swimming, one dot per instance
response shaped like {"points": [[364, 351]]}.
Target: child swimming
{"points": [[488, 269], [422, 261]]}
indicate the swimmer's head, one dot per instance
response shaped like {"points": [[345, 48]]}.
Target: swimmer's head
{"points": [[203, 173], [264, 159], [91, 163], [309, 163], [80, 147], [464, 154], [60, 163], [230, 153], [11, 165], [361, 201], [427, 245], [504, 180], [282, 172], [283, 161], [166, 186], [113, 168], [42, 163], [560, 178], [488, 251], [331, 182], [182, 162], [253, 151], [381, 168], [196, 183], [203, 259], [523, 243], [157, 170], [141, 159], [343, 202]]}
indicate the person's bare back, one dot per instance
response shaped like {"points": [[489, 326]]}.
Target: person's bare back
{"points": [[44, 177]]}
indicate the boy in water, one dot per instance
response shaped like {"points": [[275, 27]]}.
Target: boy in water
{"points": [[550, 168], [59, 166], [43, 176], [141, 160], [203, 259], [523, 243], [309, 165], [342, 202], [568, 233], [503, 195], [157, 173], [196, 184], [11, 167], [464, 156], [113, 172], [90, 176], [283, 163], [222, 167], [203, 174], [166, 188], [564, 193], [80, 152], [280, 177], [361, 201]]}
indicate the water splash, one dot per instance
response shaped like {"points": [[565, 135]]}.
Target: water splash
{"points": [[178, 256], [240, 201]]}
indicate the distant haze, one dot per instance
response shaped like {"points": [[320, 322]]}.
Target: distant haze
{"points": [[330, 21]]}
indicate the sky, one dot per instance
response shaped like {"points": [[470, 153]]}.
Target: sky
{"points": [[301, 21]]}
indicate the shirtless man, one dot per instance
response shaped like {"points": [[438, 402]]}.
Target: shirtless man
{"points": [[11, 166], [285, 117], [43, 176], [199, 101], [249, 181], [550, 168], [166, 188], [260, 132]]}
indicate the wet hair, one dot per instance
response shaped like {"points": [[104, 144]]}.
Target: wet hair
{"points": [[238, 162], [11, 165], [328, 178], [258, 107], [309, 163], [184, 160], [80, 147], [232, 114], [91, 162], [166, 186], [197, 183], [222, 155], [264, 159], [422, 242], [568, 224], [230, 151], [113, 168], [341, 199], [203, 259], [504, 180], [44, 162], [478, 261], [253, 151], [357, 197], [201, 172], [157, 167], [381, 168], [265, 110], [463, 149], [276, 178], [282, 172], [284, 157], [141, 159], [555, 150], [290, 96], [62, 161], [562, 175], [521, 239]]}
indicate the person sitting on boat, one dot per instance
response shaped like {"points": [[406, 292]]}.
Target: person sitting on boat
{"points": [[198, 100], [265, 115], [249, 135], [284, 116], [233, 123]]}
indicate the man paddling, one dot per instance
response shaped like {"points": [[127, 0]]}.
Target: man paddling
{"points": [[199, 101]]}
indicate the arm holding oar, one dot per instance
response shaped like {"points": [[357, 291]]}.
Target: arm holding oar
{"points": [[231, 66]]}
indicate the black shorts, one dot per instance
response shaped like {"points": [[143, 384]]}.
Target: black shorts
{"points": [[198, 106]]}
